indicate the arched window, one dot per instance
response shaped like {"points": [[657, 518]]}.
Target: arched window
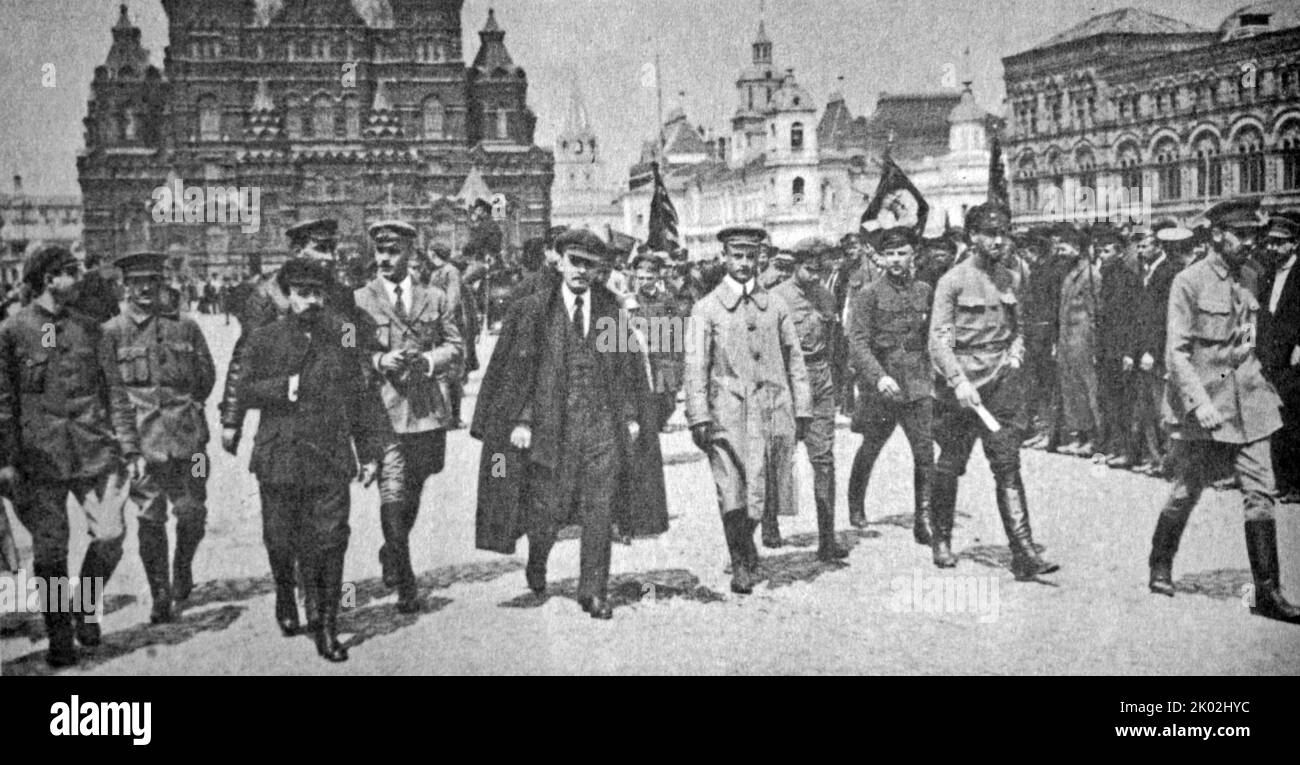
{"points": [[1249, 146], [130, 125], [322, 116], [293, 117], [209, 119], [1289, 145], [1087, 164], [1128, 159], [1169, 176], [796, 137], [503, 123], [352, 117], [1209, 167], [108, 128], [432, 114], [1027, 185], [796, 191]]}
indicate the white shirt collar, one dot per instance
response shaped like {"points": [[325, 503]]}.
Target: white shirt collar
{"points": [[739, 288], [391, 289], [571, 298], [1288, 264]]}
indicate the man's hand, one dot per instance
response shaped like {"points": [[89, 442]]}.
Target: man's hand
{"points": [[801, 427], [633, 429], [1147, 362], [136, 466], [967, 394], [230, 439], [8, 480], [1014, 362], [1127, 363], [1208, 416], [521, 437], [369, 472], [701, 436], [393, 361], [889, 387]]}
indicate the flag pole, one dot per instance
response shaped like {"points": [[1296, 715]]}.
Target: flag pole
{"points": [[659, 102]]}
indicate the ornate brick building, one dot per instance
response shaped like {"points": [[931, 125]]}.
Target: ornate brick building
{"points": [[1141, 101], [344, 108]]}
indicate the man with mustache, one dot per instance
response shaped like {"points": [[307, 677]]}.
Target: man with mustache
{"points": [[168, 374], [976, 346], [418, 349], [66, 427], [747, 397], [319, 416]]}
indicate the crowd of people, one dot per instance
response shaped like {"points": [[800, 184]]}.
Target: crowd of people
{"points": [[1160, 349]]}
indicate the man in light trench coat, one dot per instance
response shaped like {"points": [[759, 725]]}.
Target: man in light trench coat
{"points": [[747, 397]]}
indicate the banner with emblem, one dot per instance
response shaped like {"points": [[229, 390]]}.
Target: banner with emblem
{"points": [[663, 217], [896, 202]]}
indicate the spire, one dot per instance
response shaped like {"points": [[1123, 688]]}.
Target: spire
{"points": [[578, 122], [491, 25], [123, 20], [126, 52], [492, 53]]}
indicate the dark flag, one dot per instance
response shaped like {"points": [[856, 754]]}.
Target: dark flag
{"points": [[663, 217], [896, 194], [997, 175]]}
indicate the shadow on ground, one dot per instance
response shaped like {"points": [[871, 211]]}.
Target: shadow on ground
{"points": [[628, 589], [1220, 584]]}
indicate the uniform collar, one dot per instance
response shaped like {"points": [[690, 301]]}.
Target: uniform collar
{"points": [[1216, 262], [137, 314], [732, 291]]}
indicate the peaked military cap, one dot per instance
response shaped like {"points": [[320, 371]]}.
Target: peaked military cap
{"points": [[1235, 213], [581, 243], [742, 235], [303, 272], [1284, 225], [142, 263], [990, 217], [390, 230], [325, 230], [896, 236]]}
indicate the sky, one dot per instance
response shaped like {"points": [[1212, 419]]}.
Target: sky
{"points": [[599, 46]]}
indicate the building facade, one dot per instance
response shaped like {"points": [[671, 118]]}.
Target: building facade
{"points": [[582, 196], [1157, 108], [29, 222], [326, 108], [798, 170]]}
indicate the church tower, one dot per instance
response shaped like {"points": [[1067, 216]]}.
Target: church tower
{"points": [[755, 87]]}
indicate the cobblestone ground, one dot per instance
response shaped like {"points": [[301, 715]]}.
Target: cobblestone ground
{"points": [[887, 611]]}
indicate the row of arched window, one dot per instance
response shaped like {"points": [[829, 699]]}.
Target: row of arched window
{"points": [[308, 49], [1201, 168], [325, 117]]}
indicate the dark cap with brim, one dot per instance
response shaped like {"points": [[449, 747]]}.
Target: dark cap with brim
{"points": [[581, 243], [44, 260], [141, 264], [1284, 226], [320, 230], [988, 218], [391, 230], [742, 235], [1235, 214], [895, 237], [303, 272]]}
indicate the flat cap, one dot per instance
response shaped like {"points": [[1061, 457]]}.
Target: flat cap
{"points": [[388, 230], [582, 243], [742, 235], [896, 236], [314, 230], [1104, 234], [44, 260], [142, 263], [1235, 213], [302, 272], [946, 244], [809, 248], [1069, 234], [1284, 226], [990, 217], [783, 259], [656, 259]]}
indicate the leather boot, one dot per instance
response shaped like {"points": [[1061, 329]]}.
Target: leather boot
{"points": [[943, 505], [62, 652], [734, 526], [858, 492], [391, 515], [153, 554], [828, 549], [922, 531], [751, 550], [771, 527], [1164, 545], [1025, 561], [1261, 546], [97, 565], [327, 570], [188, 536], [286, 606]]}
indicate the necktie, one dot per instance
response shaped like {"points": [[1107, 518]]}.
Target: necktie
{"points": [[578, 324], [397, 301]]}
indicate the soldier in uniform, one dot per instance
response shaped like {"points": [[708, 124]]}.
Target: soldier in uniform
{"points": [[319, 416], [977, 348], [66, 427], [665, 335], [940, 253], [418, 347], [1220, 408], [781, 269], [888, 346], [168, 374], [747, 397], [812, 307]]}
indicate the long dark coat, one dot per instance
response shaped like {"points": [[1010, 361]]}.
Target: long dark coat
{"points": [[518, 375]]}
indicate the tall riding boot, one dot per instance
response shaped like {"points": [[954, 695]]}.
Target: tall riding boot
{"points": [[751, 550], [943, 505], [735, 525], [1164, 545], [328, 579], [858, 477], [771, 527], [62, 652], [1025, 561], [922, 488], [96, 568], [286, 607], [828, 549], [153, 554], [188, 536], [1261, 546]]}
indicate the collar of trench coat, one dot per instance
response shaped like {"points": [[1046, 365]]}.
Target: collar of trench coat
{"points": [[730, 298]]}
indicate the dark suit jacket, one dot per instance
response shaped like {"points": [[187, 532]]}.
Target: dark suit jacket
{"points": [[524, 382], [310, 441], [1279, 334], [1153, 313], [1117, 321]]}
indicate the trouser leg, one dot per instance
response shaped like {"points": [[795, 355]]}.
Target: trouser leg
{"points": [[281, 514], [103, 500], [42, 510], [596, 484], [917, 423]]}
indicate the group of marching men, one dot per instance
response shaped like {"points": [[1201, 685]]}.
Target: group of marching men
{"points": [[347, 378]]}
